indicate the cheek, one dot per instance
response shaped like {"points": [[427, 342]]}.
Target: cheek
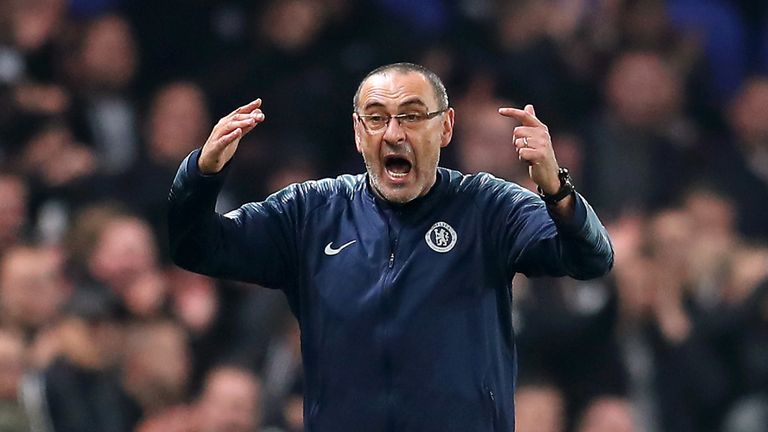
{"points": [[428, 154], [362, 140], [369, 148]]}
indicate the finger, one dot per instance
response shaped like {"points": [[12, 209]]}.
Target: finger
{"points": [[258, 119], [248, 107], [526, 131], [249, 121], [234, 124], [521, 143], [529, 155], [234, 115], [228, 138], [245, 116], [256, 115], [524, 117]]}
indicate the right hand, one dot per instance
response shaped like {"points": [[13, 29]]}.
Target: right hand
{"points": [[226, 135]]}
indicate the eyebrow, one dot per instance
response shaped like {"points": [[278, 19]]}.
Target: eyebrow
{"points": [[373, 104], [414, 101]]}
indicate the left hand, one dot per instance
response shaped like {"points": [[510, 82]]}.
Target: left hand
{"points": [[534, 146]]}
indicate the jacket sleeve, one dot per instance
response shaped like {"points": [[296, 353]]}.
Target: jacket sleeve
{"points": [[255, 243], [534, 242]]}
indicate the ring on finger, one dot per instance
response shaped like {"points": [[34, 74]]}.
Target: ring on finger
{"points": [[525, 141]]}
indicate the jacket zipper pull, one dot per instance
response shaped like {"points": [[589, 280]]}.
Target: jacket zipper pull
{"points": [[391, 260]]}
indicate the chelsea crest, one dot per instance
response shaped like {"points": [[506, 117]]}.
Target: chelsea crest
{"points": [[441, 237]]}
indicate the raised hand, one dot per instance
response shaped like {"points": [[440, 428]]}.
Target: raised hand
{"points": [[226, 135], [534, 146]]}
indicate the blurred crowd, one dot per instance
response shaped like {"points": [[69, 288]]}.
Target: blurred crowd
{"points": [[659, 109]]}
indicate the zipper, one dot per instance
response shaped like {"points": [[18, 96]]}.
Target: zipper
{"points": [[388, 312], [494, 412]]}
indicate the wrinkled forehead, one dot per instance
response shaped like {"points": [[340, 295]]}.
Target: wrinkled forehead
{"points": [[395, 89]]}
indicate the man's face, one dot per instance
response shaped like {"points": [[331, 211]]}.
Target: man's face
{"points": [[401, 160]]}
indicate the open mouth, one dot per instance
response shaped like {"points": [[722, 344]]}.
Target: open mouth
{"points": [[397, 166]]}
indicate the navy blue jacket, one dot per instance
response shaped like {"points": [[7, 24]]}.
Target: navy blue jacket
{"points": [[405, 311]]}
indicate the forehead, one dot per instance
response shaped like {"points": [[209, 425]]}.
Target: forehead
{"points": [[394, 88]]}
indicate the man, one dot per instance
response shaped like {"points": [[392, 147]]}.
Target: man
{"points": [[231, 401], [400, 278]]}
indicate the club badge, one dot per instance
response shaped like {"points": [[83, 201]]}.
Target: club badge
{"points": [[441, 237]]}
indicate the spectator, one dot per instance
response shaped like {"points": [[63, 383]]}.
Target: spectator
{"points": [[156, 366], [231, 401], [637, 133], [30, 79], [176, 122], [123, 259], [82, 391], [32, 289], [739, 167], [62, 175], [103, 72]]}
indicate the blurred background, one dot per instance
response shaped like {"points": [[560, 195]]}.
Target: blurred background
{"points": [[659, 108]]}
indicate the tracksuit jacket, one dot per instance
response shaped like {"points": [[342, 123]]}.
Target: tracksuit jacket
{"points": [[404, 310]]}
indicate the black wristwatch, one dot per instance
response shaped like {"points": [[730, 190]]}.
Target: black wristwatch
{"points": [[566, 188]]}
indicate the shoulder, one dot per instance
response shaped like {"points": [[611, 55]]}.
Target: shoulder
{"points": [[343, 186], [483, 187], [298, 200], [313, 193]]}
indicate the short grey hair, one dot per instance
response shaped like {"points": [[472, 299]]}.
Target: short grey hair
{"points": [[437, 84]]}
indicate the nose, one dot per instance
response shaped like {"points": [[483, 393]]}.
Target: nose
{"points": [[394, 133]]}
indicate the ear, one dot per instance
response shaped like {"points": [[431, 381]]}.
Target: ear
{"points": [[355, 127], [447, 132]]}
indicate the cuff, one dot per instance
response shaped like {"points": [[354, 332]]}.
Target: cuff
{"points": [[193, 169], [575, 224]]}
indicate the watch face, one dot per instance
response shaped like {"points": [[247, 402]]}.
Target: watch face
{"points": [[566, 188]]}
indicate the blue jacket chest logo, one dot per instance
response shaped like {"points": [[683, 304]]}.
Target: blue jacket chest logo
{"points": [[330, 250], [441, 237]]}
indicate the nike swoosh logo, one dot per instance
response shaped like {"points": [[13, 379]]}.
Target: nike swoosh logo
{"points": [[330, 251]]}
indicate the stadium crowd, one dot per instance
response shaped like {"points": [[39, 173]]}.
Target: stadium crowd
{"points": [[659, 109]]}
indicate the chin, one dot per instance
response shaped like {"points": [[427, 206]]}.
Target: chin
{"points": [[397, 195], [399, 198]]}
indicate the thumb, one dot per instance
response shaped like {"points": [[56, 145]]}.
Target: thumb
{"points": [[529, 109]]}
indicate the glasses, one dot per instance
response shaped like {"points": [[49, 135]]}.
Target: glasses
{"points": [[377, 123]]}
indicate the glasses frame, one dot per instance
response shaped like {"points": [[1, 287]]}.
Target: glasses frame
{"points": [[399, 117]]}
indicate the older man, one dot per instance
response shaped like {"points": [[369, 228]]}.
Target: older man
{"points": [[400, 278]]}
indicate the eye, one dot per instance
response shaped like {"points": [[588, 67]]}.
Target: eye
{"points": [[412, 117], [376, 119]]}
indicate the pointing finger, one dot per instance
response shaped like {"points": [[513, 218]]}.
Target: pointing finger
{"points": [[525, 117]]}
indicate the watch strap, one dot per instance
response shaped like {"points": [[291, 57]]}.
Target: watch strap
{"points": [[566, 188]]}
